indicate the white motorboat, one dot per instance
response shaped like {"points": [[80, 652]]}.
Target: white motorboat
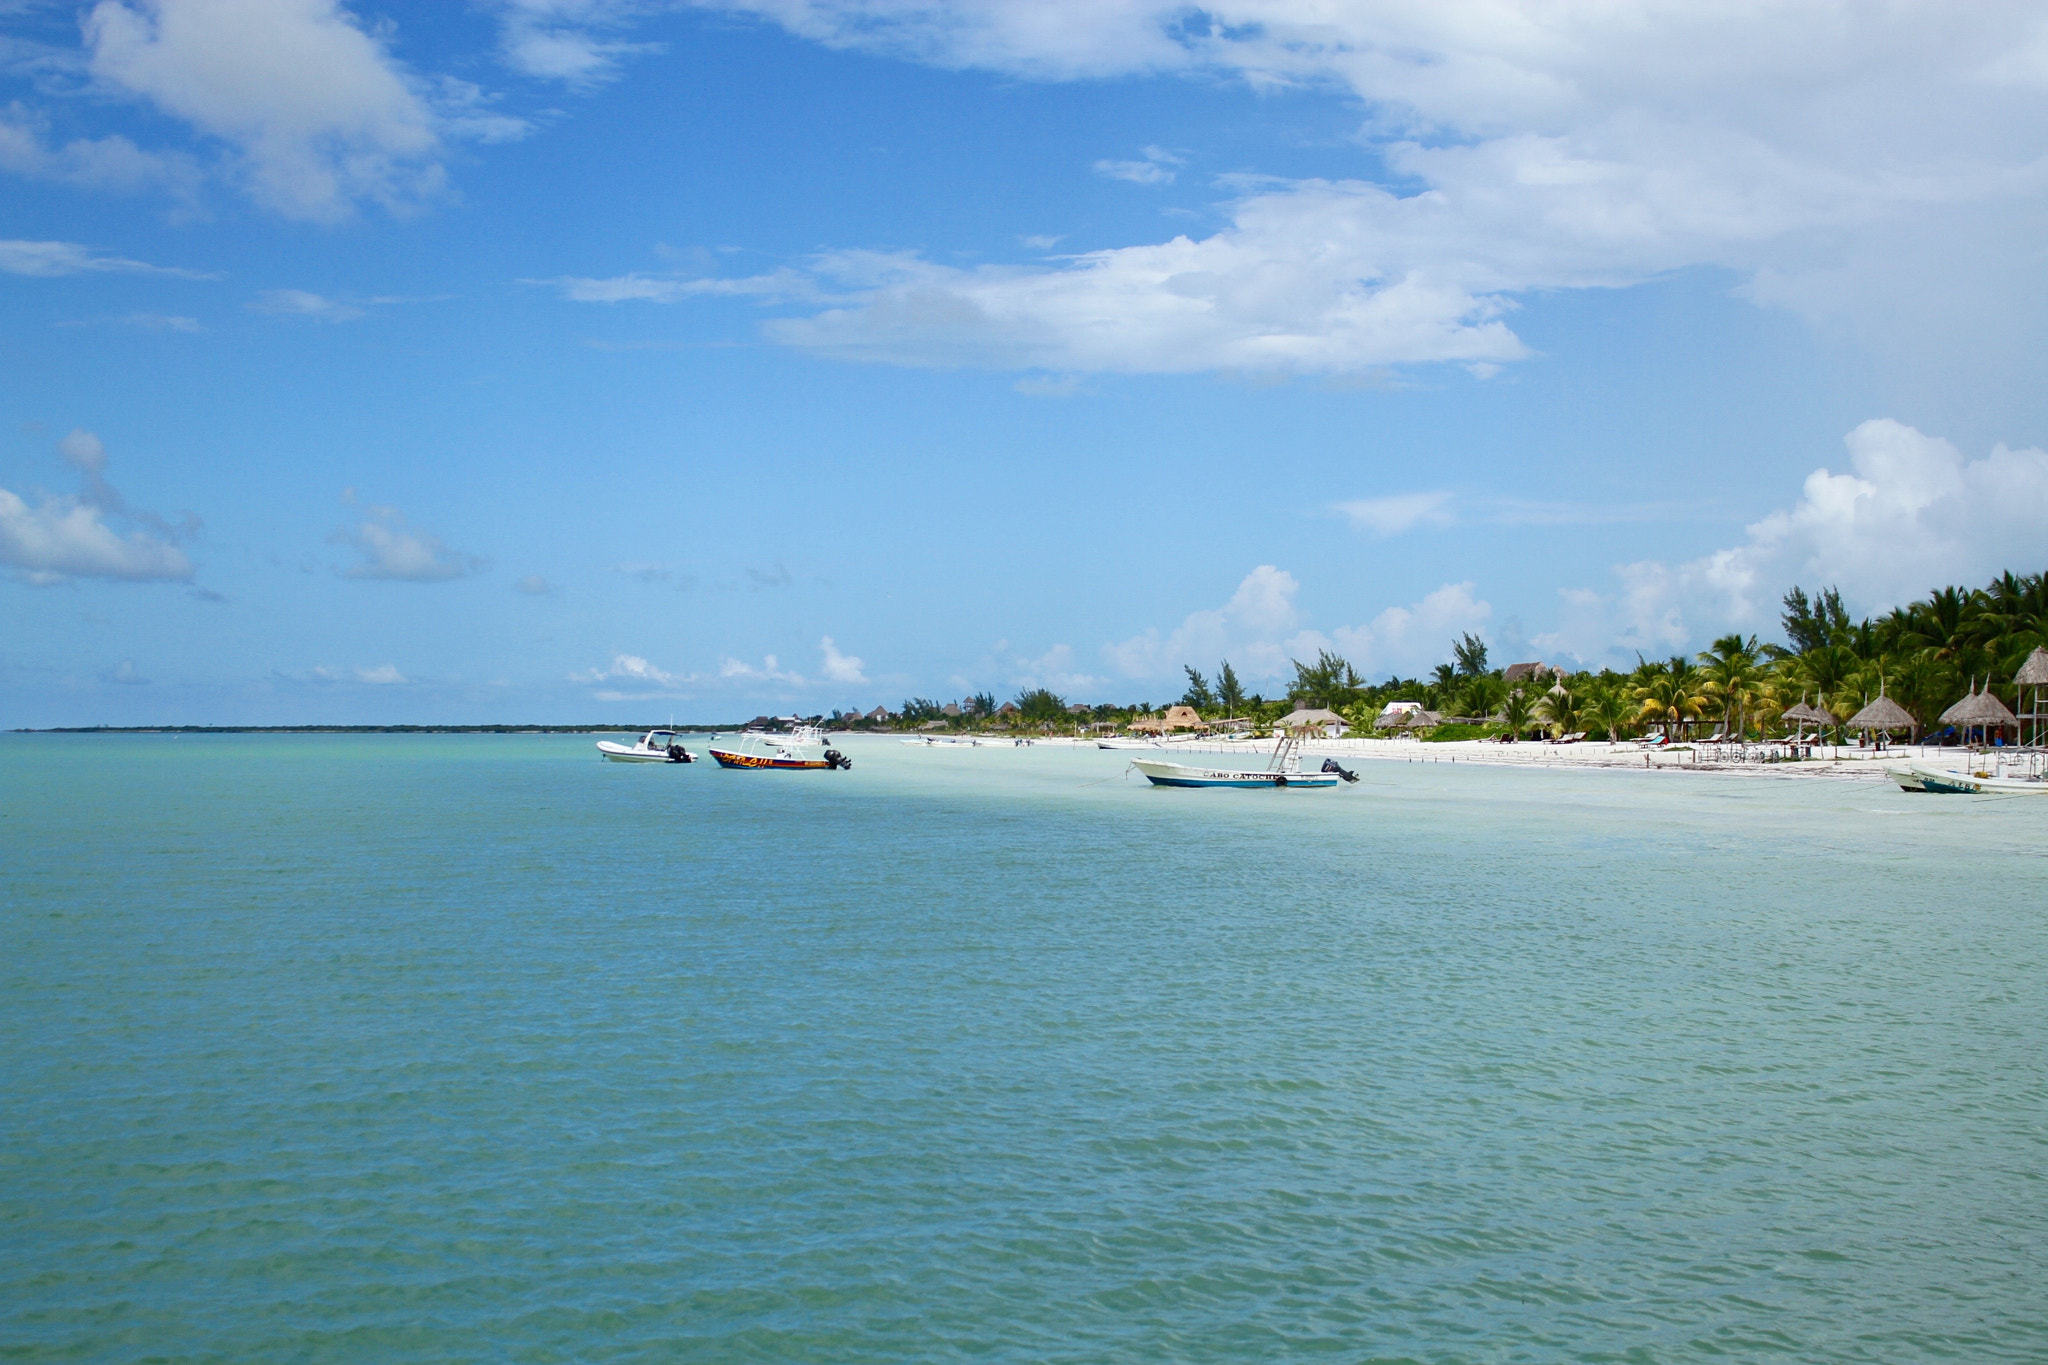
{"points": [[656, 746], [1925, 777], [1283, 771], [802, 747]]}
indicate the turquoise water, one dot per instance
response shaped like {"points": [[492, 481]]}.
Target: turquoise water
{"points": [[454, 1048]]}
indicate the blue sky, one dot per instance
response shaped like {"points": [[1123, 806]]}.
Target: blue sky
{"points": [[576, 359]]}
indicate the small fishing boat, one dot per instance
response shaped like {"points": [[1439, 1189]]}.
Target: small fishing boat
{"points": [[803, 747], [656, 746], [1284, 770], [1925, 777]]}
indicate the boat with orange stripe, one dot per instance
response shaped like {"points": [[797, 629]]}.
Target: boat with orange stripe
{"points": [[801, 747]]}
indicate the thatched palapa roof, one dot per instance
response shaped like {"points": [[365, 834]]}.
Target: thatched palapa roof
{"points": [[1183, 718], [2034, 672], [1979, 708], [1882, 714], [1299, 719]]}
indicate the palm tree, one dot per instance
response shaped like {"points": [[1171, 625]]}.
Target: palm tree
{"points": [[1481, 694], [1669, 694], [1516, 711], [1731, 676], [1562, 711], [1609, 710]]}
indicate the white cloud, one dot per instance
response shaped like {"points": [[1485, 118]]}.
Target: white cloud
{"points": [[775, 287], [1247, 629], [48, 259], [1408, 640], [381, 676], [300, 303], [1397, 512], [1155, 169], [633, 668], [533, 585], [317, 113], [1912, 513], [1260, 631], [739, 670], [162, 322], [66, 538], [840, 668], [559, 39], [392, 550], [1856, 166], [70, 537], [110, 163]]}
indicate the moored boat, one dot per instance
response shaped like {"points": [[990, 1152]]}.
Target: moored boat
{"points": [[1925, 777], [803, 747], [656, 746], [1284, 770]]}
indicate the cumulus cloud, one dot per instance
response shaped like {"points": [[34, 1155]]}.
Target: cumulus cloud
{"points": [[1248, 629], [162, 322], [316, 113], [739, 670], [565, 40], [1260, 631], [48, 259], [840, 668], [1397, 512], [391, 549], [631, 668], [62, 538], [1155, 169], [1406, 640], [301, 303], [112, 164], [1910, 513], [1853, 167]]}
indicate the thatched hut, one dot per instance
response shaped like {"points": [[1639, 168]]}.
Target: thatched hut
{"points": [[1182, 718], [1980, 711], [1320, 718], [1883, 715], [1149, 725], [1803, 715]]}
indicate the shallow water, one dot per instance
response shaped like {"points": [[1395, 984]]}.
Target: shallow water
{"points": [[440, 1048]]}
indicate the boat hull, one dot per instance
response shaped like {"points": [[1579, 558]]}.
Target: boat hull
{"points": [[1180, 775], [728, 759], [1946, 783], [620, 753]]}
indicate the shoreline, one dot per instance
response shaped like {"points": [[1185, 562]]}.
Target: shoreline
{"points": [[1840, 763]]}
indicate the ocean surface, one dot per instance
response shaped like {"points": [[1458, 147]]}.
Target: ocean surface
{"points": [[477, 1048]]}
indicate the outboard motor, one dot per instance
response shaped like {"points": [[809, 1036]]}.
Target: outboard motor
{"points": [[835, 759], [1331, 765], [678, 754]]}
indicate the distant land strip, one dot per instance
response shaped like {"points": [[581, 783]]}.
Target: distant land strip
{"points": [[364, 729]]}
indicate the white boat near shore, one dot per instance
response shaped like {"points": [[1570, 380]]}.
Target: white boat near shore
{"points": [[656, 746], [1284, 770], [1925, 777]]}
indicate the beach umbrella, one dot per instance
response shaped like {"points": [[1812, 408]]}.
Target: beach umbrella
{"points": [[1883, 714], [1979, 710], [1300, 719]]}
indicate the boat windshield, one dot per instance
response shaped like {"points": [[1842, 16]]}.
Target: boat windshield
{"points": [[660, 739]]}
